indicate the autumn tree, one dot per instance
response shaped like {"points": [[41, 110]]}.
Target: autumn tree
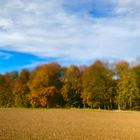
{"points": [[127, 89], [71, 90], [136, 70], [2, 91], [6, 85], [96, 86], [21, 90], [44, 85]]}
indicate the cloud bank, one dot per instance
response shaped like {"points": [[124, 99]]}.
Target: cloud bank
{"points": [[76, 31]]}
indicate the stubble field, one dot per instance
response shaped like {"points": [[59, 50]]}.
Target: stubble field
{"points": [[68, 124]]}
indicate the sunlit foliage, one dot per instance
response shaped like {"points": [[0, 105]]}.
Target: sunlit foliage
{"points": [[100, 85]]}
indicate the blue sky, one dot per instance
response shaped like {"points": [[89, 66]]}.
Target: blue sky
{"points": [[68, 32], [11, 60]]}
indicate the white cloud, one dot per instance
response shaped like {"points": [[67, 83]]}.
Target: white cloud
{"points": [[48, 29], [128, 7]]}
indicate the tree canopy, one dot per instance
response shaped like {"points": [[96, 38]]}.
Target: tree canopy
{"points": [[98, 85]]}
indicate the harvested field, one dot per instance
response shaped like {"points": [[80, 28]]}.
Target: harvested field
{"points": [[68, 124]]}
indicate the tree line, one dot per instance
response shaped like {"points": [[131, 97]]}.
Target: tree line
{"points": [[99, 86]]}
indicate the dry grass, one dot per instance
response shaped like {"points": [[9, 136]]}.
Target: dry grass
{"points": [[72, 124]]}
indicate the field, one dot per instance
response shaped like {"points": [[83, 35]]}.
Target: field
{"points": [[68, 124]]}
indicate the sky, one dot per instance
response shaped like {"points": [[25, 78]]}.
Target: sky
{"points": [[67, 31]]}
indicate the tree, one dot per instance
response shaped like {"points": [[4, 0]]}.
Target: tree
{"points": [[46, 97], [6, 95], [42, 79], [71, 90], [21, 90], [127, 89], [96, 86], [136, 71], [96, 81], [2, 91]]}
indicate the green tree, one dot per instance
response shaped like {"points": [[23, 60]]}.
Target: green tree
{"points": [[71, 90], [127, 90], [96, 82], [6, 95], [136, 70]]}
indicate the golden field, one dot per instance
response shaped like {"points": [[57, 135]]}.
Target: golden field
{"points": [[68, 124]]}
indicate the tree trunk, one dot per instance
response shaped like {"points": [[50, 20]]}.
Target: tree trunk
{"points": [[119, 108]]}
